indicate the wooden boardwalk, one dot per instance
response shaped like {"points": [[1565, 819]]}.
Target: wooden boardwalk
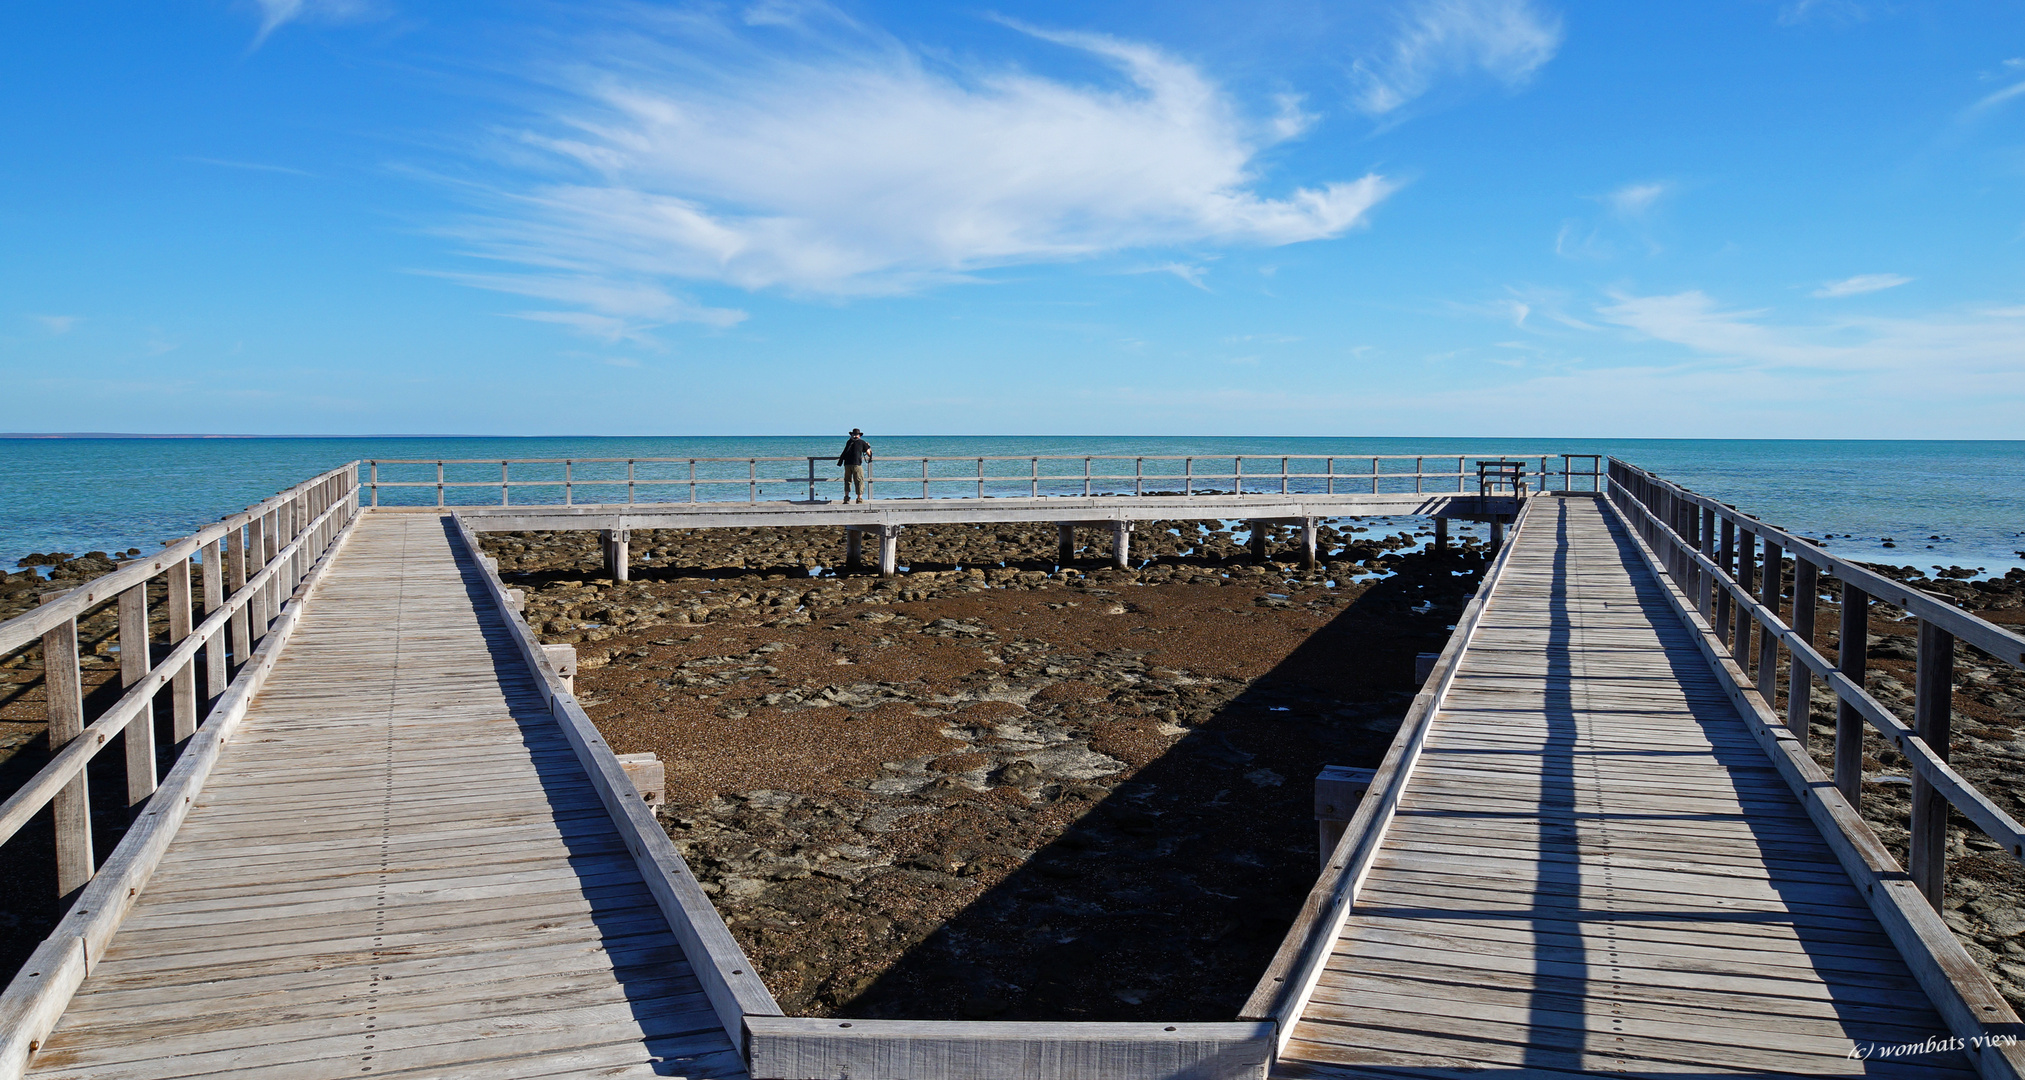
{"points": [[398, 868], [1595, 869]]}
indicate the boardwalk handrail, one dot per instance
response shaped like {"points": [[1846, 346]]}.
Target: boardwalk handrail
{"points": [[1093, 482], [1290, 979], [296, 534], [286, 534], [1708, 549]]}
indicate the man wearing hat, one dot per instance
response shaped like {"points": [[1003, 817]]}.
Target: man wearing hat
{"points": [[856, 453]]}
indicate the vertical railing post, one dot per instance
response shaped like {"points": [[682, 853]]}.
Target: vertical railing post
{"points": [[751, 481], [1036, 477], [980, 478], [183, 685], [214, 598], [1726, 558], [1852, 656], [629, 481], [139, 735], [376, 482], [1933, 713], [235, 580], [439, 483], [503, 485], [924, 478], [63, 685], [569, 483], [1799, 679], [1747, 582], [256, 603], [692, 479], [1139, 476], [1329, 470], [1461, 479], [1283, 475], [1086, 477], [1238, 472], [1374, 476], [1419, 466], [1768, 642], [1188, 476], [812, 479]]}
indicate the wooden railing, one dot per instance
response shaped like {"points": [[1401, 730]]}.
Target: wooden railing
{"points": [[261, 555], [1733, 567], [1001, 476]]}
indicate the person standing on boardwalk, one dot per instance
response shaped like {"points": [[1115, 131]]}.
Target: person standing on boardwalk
{"points": [[856, 453]]}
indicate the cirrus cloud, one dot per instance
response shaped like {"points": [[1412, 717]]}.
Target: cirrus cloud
{"points": [[817, 157]]}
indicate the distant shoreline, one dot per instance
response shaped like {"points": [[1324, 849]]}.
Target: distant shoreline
{"points": [[139, 435]]}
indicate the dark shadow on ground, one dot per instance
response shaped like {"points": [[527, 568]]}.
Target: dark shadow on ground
{"points": [[1167, 899]]}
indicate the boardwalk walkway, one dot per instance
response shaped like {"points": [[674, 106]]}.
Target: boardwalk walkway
{"points": [[1594, 868], [398, 868]]}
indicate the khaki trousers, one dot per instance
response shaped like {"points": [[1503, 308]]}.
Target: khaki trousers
{"points": [[854, 474]]}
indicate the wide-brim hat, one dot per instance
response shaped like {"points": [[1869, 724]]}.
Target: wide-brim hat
{"points": [[855, 431]]}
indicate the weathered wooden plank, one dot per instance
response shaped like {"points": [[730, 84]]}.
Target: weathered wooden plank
{"points": [[791, 1048]]}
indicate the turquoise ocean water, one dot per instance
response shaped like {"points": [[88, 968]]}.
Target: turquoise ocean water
{"points": [[1941, 503]]}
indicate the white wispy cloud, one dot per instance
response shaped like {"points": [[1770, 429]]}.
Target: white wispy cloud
{"points": [[274, 13], [1992, 100], [57, 324], [815, 156], [252, 166], [1861, 283], [1841, 11], [1507, 40], [1951, 351], [1633, 200]]}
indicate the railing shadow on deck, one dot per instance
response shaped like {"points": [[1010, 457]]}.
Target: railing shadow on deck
{"points": [[631, 928], [1167, 898]]}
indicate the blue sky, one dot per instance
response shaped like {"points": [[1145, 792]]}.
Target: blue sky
{"points": [[1796, 218]]}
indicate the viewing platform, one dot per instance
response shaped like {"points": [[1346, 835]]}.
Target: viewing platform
{"points": [[1598, 844]]}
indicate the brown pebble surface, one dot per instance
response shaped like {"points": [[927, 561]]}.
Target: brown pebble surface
{"points": [[999, 791]]}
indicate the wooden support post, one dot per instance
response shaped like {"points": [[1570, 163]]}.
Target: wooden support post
{"points": [[1768, 644], [1259, 541], [1747, 579], [1497, 534], [1933, 714], [854, 547], [139, 736], [1852, 656], [1121, 545], [242, 618], [1308, 559], [1706, 595], [648, 774], [1065, 543], [1799, 680], [563, 658], [1726, 558], [1441, 534], [1338, 790], [622, 555], [183, 684], [889, 550], [216, 649], [256, 608], [63, 685]]}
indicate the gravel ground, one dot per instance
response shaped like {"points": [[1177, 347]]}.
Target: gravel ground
{"points": [[983, 790]]}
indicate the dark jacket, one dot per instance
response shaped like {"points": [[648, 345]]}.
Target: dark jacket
{"points": [[855, 452]]}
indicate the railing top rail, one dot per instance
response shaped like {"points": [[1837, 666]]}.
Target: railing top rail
{"points": [[956, 457], [29, 626], [1984, 635]]}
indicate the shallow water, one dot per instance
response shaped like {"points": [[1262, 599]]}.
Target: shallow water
{"points": [[1940, 503]]}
